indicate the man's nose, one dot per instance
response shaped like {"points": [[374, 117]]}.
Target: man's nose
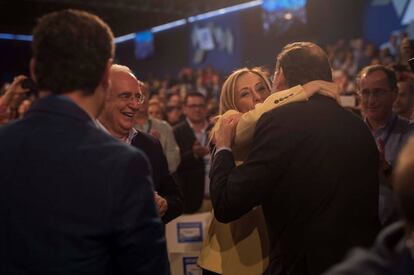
{"points": [[134, 103], [372, 99]]}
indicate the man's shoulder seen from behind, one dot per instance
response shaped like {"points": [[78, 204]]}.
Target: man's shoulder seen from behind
{"points": [[316, 105]]}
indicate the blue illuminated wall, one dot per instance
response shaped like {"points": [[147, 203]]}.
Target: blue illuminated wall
{"points": [[383, 17]]}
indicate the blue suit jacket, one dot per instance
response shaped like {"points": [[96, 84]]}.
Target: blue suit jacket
{"points": [[72, 200]]}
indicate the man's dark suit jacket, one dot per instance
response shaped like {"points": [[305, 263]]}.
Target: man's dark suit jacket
{"points": [[313, 166], [72, 200], [190, 174], [164, 183]]}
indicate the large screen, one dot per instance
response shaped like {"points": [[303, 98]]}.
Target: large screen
{"points": [[280, 15], [144, 44]]}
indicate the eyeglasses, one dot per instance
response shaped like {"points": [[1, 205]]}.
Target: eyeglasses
{"points": [[128, 96], [194, 106], [173, 108], [376, 93]]}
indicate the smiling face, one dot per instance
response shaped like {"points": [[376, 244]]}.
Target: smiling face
{"points": [[250, 89], [404, 103], [121, 104], [377, 98], [195, 108]]}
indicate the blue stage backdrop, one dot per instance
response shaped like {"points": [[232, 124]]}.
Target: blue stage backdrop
{"points": [[382, 17]]}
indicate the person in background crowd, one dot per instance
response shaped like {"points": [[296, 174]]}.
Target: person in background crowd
{"points": [[392, 253], [74, 200], [173, 110], [118, 117], [159, 129], [392, 44], [377, 87], [300, 160], [406, 51], [404, 103], [192, 139], [155, 109]]}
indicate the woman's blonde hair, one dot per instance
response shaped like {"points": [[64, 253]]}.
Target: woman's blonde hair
{"points": [[227, 94], [228, 91]]}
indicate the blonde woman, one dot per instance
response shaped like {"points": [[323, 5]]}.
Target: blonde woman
{"points": [[241, 247]]}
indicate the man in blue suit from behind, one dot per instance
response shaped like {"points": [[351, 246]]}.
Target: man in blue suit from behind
{"points": [[72, 200]]}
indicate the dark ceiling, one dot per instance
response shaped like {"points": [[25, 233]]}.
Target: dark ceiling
{"points": [[124, 16]]}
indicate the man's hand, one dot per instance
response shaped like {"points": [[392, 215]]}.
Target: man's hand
{"points": [[161, 203], [225, 134], [322, 87], [199, 150], [16, 87]]}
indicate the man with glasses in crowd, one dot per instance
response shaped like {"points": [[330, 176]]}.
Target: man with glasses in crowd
{"points": [[118, 117], [377, 87], [192, 137]]}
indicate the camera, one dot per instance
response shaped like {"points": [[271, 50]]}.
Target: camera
{"points": [[29, 84]]}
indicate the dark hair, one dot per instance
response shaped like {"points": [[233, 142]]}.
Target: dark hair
{"points": [[302, 62], [389, 73], [193, 94], [170, 95], [71, 49]]}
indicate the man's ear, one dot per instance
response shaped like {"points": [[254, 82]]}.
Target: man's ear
{"points": [[279, 81], [32, 69]]}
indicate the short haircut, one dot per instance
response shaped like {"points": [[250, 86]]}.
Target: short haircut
{"points": [[71, 49], [194, 94], [389, 73], [302, 62], [404, 182]]}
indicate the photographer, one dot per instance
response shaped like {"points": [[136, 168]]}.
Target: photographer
{"points": [[12, 98]]}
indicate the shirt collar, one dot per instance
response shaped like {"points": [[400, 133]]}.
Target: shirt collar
{"points": [[192, 125], [385, 127], [132, 133]]}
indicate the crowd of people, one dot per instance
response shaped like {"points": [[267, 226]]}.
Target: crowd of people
{"points": [[294, 178]]}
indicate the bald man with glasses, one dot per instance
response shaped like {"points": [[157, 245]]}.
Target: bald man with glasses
{"points": [[118, 118]]}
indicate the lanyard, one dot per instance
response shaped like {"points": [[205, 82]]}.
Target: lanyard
{"points": [[390, 129]]}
